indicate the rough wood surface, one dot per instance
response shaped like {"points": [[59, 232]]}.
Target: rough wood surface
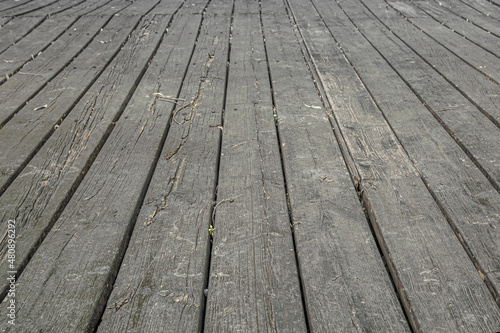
{"points": [[475, 56], [44, 187], [20, 88], [33, 44], [160, 286], [439, 288], [461, 27], [472, 130], [254, 284], [330, 228], [474, 210], [16, 29], [54, 102], [480, 19], [28, 7], [5, 5], [115, 182], [330, 165]]}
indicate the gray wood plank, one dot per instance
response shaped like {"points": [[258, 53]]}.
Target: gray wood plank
{"points": [[119, 176], [16, 29], [4, 20], [483, 61], [54, 8], [23, 136], [20, 88], [44, 187], [344, 291], [438, 284], [35, 42], [29, 7], [96, 7], [5, 5], [485, 7], [470, 201], [461, 27], [253, 283], [482, 20], [476, 134], [178, 203]]}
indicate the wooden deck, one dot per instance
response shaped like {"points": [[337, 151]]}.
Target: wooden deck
{"points": [[250, 166]]}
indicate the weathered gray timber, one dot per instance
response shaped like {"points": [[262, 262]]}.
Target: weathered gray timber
{"points": [[471, 129], [160, 287], [20, 88], [447, 170], [442, 284], [330, 228], [16, 29], [253, 283], [54, 102], [29, 7], [482, 61], [33, 44], [47, 183], [234, 165], [483, 19], [460, 26]]}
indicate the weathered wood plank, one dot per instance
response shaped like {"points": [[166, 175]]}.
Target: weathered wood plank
{"points": [[178, 205], [23, 136], [473, 55], [470, 201], [35, 42], [486, 7], [16, 29], [438, 284], [253, 284], [28, 7], [5, 5], [476, 134], [54, 8], [3, 21], [344, 291], [472, 84], [97, 7], [479, 19], [20, 88], [460, 26], [44, 187], [119, 176]]}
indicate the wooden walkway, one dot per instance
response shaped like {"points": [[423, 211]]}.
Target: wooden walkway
{"points": [[250, 166]]}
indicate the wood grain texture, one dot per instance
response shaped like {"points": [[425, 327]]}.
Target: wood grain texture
{"points": [[59, 96], [20, 88], [471, 84], [475, 56], [53, 8], [480, 19], [97, 7], [438, 284], [474, 132], [468, 199], [16, 29], [336, 250], [486, 7], [461, 27], [254, 284], [28, 7], [5, 5], [161, 284], [116, 183], [34, 43], [44, 187]]}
